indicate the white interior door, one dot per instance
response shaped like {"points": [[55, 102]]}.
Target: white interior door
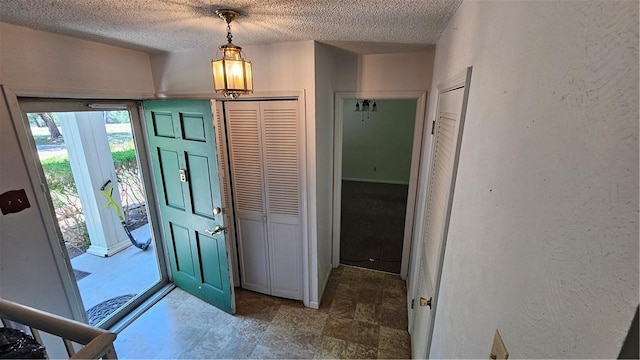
{"points": [[446, 144], [422, 313]]}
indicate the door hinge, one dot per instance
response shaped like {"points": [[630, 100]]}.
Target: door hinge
{"points": [[413, 302], [433, 126]]}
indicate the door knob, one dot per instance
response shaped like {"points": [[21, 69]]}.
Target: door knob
{"points": [[216, 230], [425, 302]]}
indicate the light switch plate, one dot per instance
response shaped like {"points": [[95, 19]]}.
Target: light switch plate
{"points": [[498, 350]]}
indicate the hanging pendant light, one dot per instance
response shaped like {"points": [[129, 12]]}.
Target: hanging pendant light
{"points": [[232, 75]]}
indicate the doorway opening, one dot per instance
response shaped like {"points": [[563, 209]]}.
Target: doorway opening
{"points": [[377, 147], [376, 164], [88, 158]]}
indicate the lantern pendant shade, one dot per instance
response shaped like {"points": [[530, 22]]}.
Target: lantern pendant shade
{"points": [[232, 75]]}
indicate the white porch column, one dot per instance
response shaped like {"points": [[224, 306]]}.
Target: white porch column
{"points": [[92, 165]]}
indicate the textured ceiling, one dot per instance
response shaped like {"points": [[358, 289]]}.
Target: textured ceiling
{"points": [[362, 26]]}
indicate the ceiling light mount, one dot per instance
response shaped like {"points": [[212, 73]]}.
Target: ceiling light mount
{"points": [[232, 74], [227, 15]]}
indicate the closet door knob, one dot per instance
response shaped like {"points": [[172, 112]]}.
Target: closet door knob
{"points": [[425, 302]]}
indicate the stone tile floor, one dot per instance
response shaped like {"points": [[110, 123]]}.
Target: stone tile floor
{"points": [[362, 315]]}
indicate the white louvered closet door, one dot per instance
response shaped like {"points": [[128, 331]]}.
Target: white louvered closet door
{"points": [[441, 177], [243, 129], [266, 172], [445, 144], [281, 158]]}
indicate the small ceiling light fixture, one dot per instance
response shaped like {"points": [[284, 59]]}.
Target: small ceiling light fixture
{"points": [[232, 74]]}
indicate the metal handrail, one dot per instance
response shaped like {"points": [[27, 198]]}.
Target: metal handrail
{"points": [[97, 343]]}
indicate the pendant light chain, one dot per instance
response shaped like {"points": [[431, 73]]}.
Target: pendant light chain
{"points": [[229, 36]]}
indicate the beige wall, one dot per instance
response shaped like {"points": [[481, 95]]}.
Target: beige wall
{"points": [[335, 70], [28, 272], [57, 65], [543, 239], [276, 67], [396, 72], [39, 63]]}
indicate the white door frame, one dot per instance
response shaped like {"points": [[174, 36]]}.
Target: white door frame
{"points": [[340, 97], [34, 169]]}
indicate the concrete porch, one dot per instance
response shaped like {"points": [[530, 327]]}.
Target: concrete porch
{"points": [[127, 272]]}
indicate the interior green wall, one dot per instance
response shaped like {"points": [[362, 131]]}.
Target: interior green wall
{"points": [[377, 146]]}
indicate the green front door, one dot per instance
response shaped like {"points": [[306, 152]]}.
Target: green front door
{"points": [[182, 147]]}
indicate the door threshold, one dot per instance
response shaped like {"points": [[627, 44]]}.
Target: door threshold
{"points": [[146, 305], [365, 268]]}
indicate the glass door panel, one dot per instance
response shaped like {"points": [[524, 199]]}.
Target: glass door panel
{"points": [[91, 164]]}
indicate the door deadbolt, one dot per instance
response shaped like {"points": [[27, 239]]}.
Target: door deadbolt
{"points": [[217, 210], [183, 175], [425, 302]]}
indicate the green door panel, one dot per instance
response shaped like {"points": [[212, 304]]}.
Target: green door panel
{"points": [[198, 167], [169, 166], [181, 140], [182, 244]]}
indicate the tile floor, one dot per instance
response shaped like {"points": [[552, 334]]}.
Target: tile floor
{"points": [[362, 315]]}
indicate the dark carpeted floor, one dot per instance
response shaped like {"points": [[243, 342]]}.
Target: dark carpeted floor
{"points": [[372, 225]]}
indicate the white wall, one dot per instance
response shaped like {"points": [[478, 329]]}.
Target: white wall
{"points": [[543, 240], [57, 65], [335, 70], [35, 62], [28, 272], [276, 67]]}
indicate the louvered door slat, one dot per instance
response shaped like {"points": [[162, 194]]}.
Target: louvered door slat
{"points": [[441, 175], [282, 163], [244, 145]]}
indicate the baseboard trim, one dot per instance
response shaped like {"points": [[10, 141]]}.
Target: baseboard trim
{"points": [[376, 181]]}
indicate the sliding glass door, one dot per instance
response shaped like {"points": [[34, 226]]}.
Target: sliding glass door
{"points": [[92, 158]]}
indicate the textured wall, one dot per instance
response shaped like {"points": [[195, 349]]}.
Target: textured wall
{"points": [[543, 240]]}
